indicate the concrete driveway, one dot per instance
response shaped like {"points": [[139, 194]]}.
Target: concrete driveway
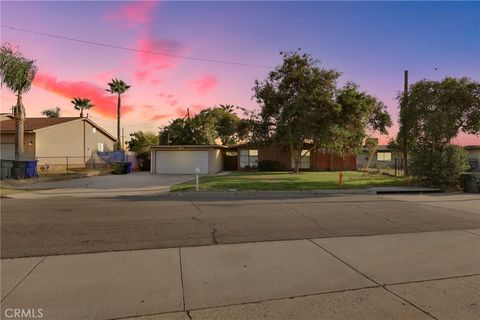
{"points": [[138, 183]]}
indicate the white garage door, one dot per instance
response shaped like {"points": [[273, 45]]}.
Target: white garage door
{"points": [[7, 151], [181, 162]]}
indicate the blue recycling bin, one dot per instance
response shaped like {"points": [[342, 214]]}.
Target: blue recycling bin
{"points": [[31, 168]]}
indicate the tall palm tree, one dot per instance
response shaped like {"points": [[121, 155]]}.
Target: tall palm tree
{"points": [[81, 104], [119, 87], [17, 73]]}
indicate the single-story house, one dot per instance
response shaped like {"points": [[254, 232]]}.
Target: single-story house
{"points": [[52, 140], [183, 159], [473, 156], [383, 157]]}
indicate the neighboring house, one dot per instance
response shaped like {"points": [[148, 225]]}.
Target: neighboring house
{"points": [[250, 155], [183, 159], [382, 158], [473, 157], [52, 140]]}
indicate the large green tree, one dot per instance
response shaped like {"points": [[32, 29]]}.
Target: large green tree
{"points": [[17, 74], [435, 112], [208, 126], [303, 109], [52, 113], [81, 104], [432, 115], [141, 140], [118, 87]]}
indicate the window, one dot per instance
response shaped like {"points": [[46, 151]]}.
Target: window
{"points": [[304, 162], [231, 153], [100, 147], [94, 130], [384, 156], [249, 159]]}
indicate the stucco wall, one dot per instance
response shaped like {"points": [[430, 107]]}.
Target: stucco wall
{"points": [[93, 139], [55, 144], [215, 161]]}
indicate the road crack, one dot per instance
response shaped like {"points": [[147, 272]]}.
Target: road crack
{"points": [[196, 218], [303, 214]]}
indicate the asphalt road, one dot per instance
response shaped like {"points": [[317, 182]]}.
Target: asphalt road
{"points": [[52, 226]]}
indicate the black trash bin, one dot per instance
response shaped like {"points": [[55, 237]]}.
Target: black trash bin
{"points": [[18, 171], [471, 182]]}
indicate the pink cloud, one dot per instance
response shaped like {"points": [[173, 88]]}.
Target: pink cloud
{"points": [[150, 55], [173, 102], [141, 75], [132, 14], [156, 82], [159, 117], [105, 76], [105, 103], [161, 94], [204, 84], [193, 109]]}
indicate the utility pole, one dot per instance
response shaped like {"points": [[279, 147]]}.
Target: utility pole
{"points": [[405, 130]]}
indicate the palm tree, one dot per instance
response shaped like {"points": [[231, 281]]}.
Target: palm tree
{"points": [[81, 104], [17, 73], [119, 87], [52, 113]]}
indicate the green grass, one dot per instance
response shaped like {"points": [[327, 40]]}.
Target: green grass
{"points": [[275, 181]]}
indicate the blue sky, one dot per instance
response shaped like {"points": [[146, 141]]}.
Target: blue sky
{"points": [[370, 42]]}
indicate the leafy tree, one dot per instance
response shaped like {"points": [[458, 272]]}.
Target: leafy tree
{"points": [[81, 104], [17, 73], [52, 113], [302, 109], [119, 87], [432, 115], [140, 141], [205, 128]]}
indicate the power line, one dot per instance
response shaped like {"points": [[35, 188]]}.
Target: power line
{"points": [[101, 44]]}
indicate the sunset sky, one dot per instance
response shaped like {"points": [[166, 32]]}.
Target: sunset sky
{"points": [[370, 42]]}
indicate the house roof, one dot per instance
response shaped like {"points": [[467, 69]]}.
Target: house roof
{"points": [[472, 147], [34, 124]]}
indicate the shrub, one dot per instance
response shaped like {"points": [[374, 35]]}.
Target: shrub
{"points": [[144, 160], [439, 168], [269, 165]]}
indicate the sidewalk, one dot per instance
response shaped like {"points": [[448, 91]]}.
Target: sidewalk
{"points": [[399, 276], [134, 184]]}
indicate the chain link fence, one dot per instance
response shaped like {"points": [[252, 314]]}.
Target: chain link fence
{"points": [[71, 164]]}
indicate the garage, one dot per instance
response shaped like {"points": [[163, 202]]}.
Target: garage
{"points": [[184, 159], [7, 151]]}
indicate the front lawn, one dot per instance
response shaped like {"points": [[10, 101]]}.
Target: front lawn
{"points": [[275, 181]]}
